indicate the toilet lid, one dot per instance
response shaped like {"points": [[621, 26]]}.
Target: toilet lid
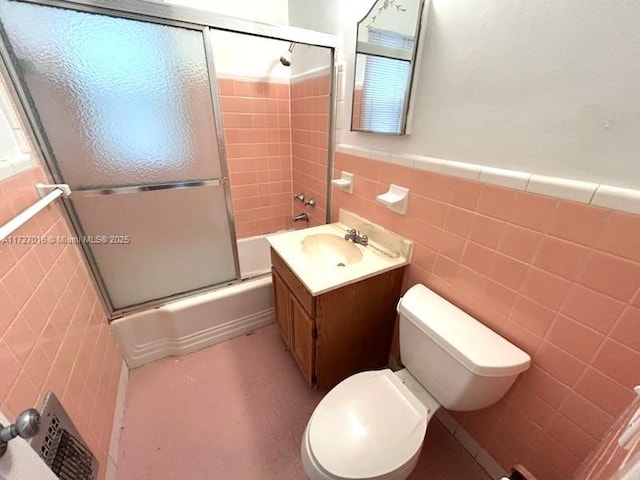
{"points": [[368, 425]]}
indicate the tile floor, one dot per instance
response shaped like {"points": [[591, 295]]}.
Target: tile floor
{"points": [[237, 410]]}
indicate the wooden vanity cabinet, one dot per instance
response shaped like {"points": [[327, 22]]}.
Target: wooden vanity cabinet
{"points": [[296, 327], [338, 333]]}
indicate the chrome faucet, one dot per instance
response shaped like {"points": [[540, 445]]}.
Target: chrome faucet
{"points": [[301, 217], [352, 234]]}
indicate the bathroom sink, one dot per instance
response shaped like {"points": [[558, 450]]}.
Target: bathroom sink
{"points": [[331, 250], [323, 260]]}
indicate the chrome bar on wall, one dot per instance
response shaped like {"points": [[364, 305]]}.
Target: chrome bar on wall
{"points": [[23, 217], [63, 191]]}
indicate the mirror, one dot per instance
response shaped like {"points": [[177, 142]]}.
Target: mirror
{"points": [[385, 57]]}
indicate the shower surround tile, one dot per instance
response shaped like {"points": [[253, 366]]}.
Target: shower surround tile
{"points": [[276, 138], [557, 278], [54, 334], [309, 126], [257, 131]]}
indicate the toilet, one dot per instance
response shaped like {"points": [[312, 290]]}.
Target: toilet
{"points": [[371, 426]]}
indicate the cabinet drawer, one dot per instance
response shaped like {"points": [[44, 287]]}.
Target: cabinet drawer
{"points": [[297, 288]]}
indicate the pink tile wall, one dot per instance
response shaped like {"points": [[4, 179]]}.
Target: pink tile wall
{"points": [[561, 280], [309, 126], [54, 335], [258, 137], [609, 458]]}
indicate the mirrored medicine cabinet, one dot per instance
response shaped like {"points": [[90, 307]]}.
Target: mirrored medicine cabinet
{"points": [[386, 46]]}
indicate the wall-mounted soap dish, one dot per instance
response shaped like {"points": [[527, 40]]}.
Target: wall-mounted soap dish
{"points": [[396, 199], [345, 182]]}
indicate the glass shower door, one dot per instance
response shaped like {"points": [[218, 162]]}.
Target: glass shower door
{"points": [[124, 112]]}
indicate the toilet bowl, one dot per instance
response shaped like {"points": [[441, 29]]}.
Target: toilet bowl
{"points": [[372, 425]]}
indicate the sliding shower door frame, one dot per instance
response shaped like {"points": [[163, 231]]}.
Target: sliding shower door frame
{"points": [[56, 174], [170, 15], [192, 18]]}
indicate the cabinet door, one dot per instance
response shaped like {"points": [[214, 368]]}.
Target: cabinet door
{"points": [[283, 307], [302, 341]]}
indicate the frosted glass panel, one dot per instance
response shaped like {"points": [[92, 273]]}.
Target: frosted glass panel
{"points": [[122, 102], [178, 240]]}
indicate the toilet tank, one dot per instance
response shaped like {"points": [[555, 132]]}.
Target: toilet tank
{"points": [[462, 363]]}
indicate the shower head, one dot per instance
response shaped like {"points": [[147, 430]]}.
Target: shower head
{"points": [[285, 59]]}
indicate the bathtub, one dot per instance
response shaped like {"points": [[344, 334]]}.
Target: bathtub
{"points": [[193, 323]]}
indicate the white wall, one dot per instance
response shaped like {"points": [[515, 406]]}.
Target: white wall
{"points": [[535, 85], [307, 59], [319, 15], [242, 55], [265, 11]]}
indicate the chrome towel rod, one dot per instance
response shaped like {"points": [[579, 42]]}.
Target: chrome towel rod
{"points": [[54, 192]]}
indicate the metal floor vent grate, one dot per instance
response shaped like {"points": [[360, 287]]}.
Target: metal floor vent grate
{"points": [[60, 445], [47, 447]]}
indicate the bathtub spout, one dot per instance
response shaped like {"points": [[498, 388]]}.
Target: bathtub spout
{"points": [[301, 217]]}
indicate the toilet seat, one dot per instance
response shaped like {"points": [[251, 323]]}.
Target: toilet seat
{"points": [[315, 471], [370, 426]]}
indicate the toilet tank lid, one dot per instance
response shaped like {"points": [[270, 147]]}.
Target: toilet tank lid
{"points": [[476, 346]]}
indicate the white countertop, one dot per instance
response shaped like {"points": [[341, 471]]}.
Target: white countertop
{"points": [[386, 251]]}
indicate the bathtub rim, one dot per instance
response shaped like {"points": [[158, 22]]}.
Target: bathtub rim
{"points": [[137, 352]]}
